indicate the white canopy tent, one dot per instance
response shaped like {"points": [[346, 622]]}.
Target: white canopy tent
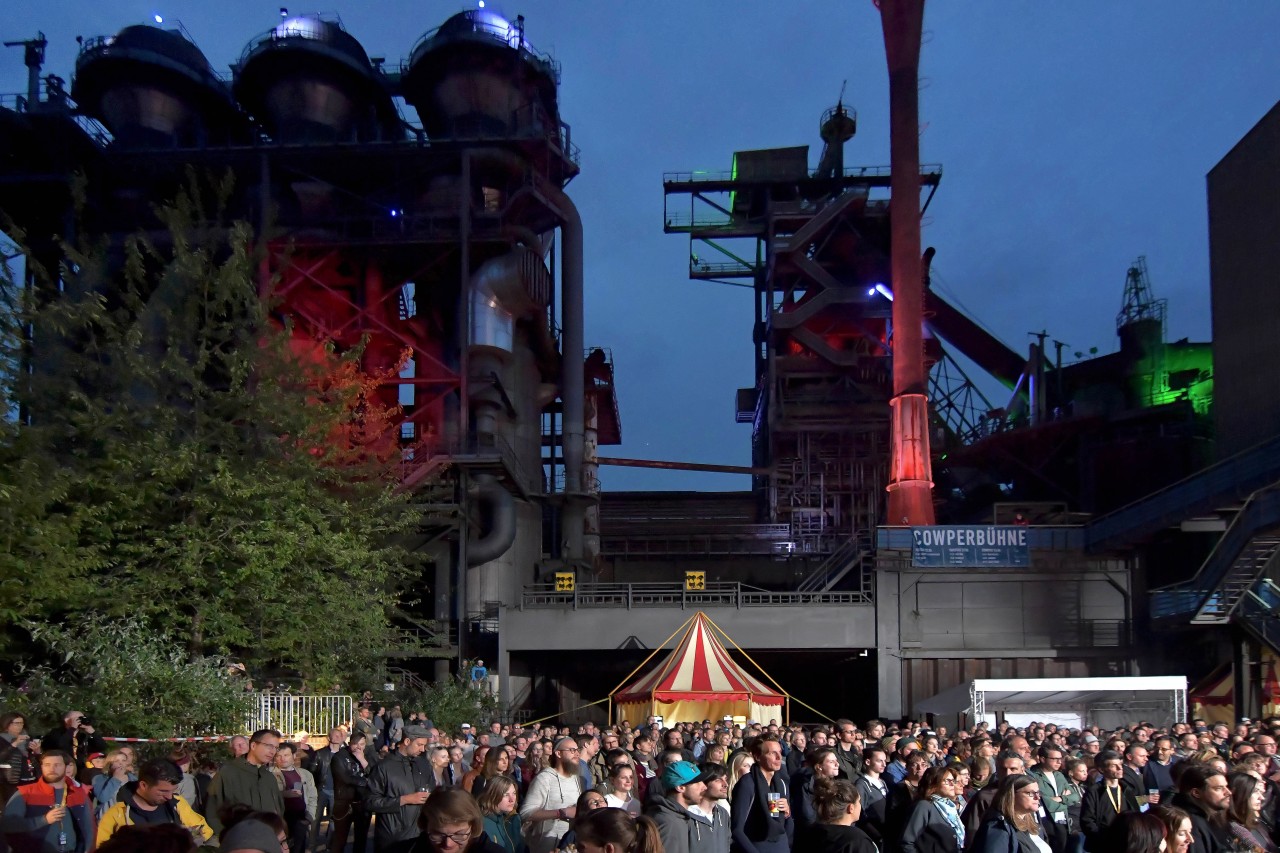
{"points": [[1107, 701]]}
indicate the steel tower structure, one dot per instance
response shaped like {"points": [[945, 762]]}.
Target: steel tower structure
{"points": [[433, 242]]}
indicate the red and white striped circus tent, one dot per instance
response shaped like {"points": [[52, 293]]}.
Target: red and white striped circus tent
{"points": [[698, 681]]}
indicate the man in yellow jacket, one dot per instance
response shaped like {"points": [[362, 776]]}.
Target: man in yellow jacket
{"points": [[153, 799]]}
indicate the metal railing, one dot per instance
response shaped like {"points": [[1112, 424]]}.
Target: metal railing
{"points": [[726, 539], [694, 177], [288, 713], [629, 596], [1234, 478], [1231, 568]]}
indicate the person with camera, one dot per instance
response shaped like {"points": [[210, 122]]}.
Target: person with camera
{"points": [[78, 739]]}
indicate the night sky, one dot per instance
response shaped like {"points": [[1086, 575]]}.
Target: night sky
{"points": [[1074, 136]]}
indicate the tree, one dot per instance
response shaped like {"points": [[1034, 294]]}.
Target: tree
{"points": [[130, 679], [187, 459]]}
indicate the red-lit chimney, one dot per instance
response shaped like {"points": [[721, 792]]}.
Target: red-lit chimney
{"points": [[910, 475]]}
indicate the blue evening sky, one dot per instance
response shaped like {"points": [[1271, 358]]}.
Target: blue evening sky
{"points": [[1074, 136]]}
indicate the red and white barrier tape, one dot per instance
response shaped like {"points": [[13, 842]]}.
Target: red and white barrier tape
{"points": [[213, 739]]}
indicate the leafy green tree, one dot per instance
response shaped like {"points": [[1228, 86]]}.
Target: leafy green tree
{"points": [[185, 459], [130, 679]]}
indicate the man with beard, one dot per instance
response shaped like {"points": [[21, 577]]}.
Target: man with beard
{"points": [[1203, 794], [712, 803], [682, 825], [49, 814], [398, 789]]}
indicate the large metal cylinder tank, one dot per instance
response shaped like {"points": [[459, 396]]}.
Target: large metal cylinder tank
{"points": [[153, 88], [308, 80], [476, 77]]}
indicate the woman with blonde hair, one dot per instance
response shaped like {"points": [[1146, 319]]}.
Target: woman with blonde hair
{"points": [[739, 765], [501, 820]]}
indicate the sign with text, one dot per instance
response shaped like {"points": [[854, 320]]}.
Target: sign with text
{"points": [[695, 581], [969, 546], [565, 581]]}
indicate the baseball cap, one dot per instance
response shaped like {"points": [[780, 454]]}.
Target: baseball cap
{"points": [[682, 773], [1089, 739], [94, 756], [466, 725]]}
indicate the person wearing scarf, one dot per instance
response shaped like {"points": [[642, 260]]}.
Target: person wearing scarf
{"points": [[758, 826], [934, 825]]}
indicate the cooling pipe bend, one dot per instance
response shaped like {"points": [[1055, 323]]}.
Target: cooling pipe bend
{"points": [[487, 491]]}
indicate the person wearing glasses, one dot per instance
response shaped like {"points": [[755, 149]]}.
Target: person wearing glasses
{"points": [[553, 793], [934, 823], [451, 822], [1012, 824], [247, 780]]}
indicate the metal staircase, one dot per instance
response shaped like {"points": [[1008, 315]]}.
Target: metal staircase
{"points": [[1236, 583], [852, 554]]}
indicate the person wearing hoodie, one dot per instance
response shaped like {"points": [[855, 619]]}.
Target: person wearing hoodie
{"points": [[681, 830], [153, 799], [247, 780], [821, 763]]}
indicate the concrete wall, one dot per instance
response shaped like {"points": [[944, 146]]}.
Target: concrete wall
{"points": [[1244, 219], [1040, 612], [849, 627]]}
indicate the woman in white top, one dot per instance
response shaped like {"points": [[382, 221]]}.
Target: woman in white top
{"points": [[622, 781]]}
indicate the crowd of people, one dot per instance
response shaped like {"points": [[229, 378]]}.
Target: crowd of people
{"points": [[708, 787]]}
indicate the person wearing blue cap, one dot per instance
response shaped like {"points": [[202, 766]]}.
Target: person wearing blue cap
{"points": [[681, 829]]}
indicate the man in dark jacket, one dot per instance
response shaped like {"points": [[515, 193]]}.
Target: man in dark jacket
{"points": [[1007, 764], [848, 750], [681, 830], [1103, 803], [1204, 795], [247, 780], [761, 809], [78, 739], [321, 767], [398, 789]]}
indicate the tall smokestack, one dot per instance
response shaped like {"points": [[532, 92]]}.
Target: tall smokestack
{"points": [[910, 475]]}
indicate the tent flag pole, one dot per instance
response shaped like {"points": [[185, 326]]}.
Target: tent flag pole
{"points": [[753, 663], [660, 647], [810, 707], [570, 711], [776, 685]]}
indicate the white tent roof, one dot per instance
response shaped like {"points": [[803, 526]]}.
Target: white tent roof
{"points": [[1163, 697]]}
